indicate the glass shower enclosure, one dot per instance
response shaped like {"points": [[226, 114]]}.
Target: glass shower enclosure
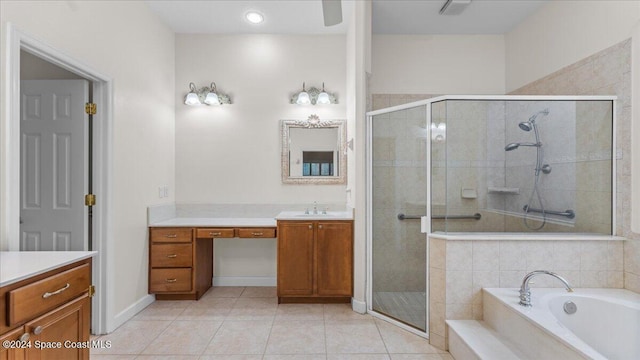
{"points": [[479, 164]]}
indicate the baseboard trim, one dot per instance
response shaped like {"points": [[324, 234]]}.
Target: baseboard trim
{"points": [[359, 306], [244, 281], [131, 311]]}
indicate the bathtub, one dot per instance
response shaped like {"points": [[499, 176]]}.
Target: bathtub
{"points": [[606, 324]]}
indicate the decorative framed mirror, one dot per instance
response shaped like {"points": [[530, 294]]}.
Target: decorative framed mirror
{"points": [[313, 151]]}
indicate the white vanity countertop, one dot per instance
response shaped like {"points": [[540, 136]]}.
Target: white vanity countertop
{"points": [[209, 222], [330, 215], [19, 265]]}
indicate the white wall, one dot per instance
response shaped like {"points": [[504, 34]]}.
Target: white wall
{"points": [[438, 64], [231, 153], [561, 33], [125, 41]]}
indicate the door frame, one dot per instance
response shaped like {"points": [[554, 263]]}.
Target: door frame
{"points": [[369, 216], [102, 309]]}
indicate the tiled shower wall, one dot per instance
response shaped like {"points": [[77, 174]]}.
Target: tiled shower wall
{"points": [[607, 72]]}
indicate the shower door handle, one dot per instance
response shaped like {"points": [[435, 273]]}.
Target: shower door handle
{"points": [[424, 224]]}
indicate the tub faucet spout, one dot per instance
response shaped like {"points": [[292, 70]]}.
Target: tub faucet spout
{"points": [[525, 291]]}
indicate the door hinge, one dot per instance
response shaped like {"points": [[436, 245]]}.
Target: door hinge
{"points": [[92, 290], [90, 108], [90, 200]]}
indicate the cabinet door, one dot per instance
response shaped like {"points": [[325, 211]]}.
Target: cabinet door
{"points": [[12, 353], [335, 259], [295, 258], [69, 322]]}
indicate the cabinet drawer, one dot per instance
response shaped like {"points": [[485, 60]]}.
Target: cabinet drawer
{"points": [[31, 300], [170, 280], [257, 232], [215, 233], [171, 255], [171, 235]]}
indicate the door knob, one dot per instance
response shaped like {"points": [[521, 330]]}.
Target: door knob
{"points": [[24, 337]]}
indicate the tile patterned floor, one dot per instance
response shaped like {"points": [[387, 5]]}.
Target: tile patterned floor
{"points": [[246, 323]]}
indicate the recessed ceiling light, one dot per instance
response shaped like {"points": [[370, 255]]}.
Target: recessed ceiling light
{"points": [[254, 17]]}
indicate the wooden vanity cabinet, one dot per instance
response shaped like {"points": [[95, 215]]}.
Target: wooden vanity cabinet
{"points": [[180, 263], [13, 353], [53, 307], [181, 258], [315, 261]]}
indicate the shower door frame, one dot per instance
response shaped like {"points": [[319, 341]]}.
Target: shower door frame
{"points": [[425, 221], [369, 214]]}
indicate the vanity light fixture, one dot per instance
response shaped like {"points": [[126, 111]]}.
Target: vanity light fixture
{"points": [[303, 97], [192, 96], [313, 96], [206, 95], [323, 97]]}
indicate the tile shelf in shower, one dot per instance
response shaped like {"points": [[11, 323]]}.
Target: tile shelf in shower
{"points": [[503, 190]]}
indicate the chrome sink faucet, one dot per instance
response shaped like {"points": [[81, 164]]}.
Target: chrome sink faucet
{"points": [[525, 291]]}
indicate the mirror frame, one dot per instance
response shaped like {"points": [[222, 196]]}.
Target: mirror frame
{"points": [[286, 125]]}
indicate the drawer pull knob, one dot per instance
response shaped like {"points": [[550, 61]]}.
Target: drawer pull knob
{"points": [[172, 236], [310, 226], [49, 294], [257, 234], [319, 226], [37, 330], [24, 337], [171, 280], [172, 256], [215, 233]]}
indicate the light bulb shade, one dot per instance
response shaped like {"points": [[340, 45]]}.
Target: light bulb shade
{"points": [[192, 99], [303, 98], [212, 99], [323, 98]]}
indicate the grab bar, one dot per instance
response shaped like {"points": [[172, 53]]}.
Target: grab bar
{"points": [[567, 213], [476, 216]]}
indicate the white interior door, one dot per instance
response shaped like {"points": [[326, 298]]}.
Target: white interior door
{"points": [[53, 165]]}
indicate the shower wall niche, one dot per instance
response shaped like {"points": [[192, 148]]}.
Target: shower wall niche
{"points": [[539, 165]]}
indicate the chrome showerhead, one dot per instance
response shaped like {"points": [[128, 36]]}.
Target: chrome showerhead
{"points": [[531, 123], [526, 126], [511, 146], [514, 146]]}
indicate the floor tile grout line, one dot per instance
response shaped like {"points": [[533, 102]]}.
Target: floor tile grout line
{"points": [[266, 344], [324, 326], [381, 337], [154, 339], [212, 337]]}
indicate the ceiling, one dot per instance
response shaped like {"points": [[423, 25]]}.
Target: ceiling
{"points": [[423, 17], [305, 16], [227, 17]]}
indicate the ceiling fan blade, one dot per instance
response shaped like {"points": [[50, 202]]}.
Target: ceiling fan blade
{"points": [[332, 12]]}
